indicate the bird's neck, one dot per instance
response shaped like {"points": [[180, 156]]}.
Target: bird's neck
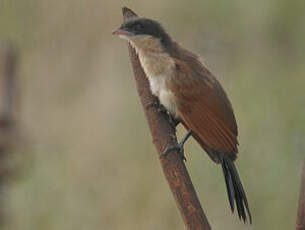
{"points": [[159, 68], [153, 57], [156, 63]]}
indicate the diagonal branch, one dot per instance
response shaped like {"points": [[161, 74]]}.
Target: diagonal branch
{"points": [[301, 210], [162, 134]]}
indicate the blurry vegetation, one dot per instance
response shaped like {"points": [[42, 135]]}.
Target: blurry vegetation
{"points": [[91, 149]]}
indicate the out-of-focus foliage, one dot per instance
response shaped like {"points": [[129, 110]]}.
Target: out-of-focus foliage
{"points": [[92, 164]]}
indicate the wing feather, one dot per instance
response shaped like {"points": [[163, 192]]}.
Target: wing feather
{"points": [[203, 105]]}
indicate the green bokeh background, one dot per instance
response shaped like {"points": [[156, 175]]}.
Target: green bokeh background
{"points": [[91, 162]]}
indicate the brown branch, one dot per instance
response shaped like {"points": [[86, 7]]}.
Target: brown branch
{"points": [[7, 94], [7, 78], [301, 210], [162, 134], [7, 121]]}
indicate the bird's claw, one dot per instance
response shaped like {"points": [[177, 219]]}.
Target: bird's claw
{"points": [[152, 104], [178, 146], [161, 109], [172, 121], [173, 137]]}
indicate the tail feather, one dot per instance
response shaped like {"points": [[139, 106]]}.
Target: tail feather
{"points": [[229, 184], [235, 189]]}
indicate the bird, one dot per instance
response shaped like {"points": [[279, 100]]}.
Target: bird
{"points": [[191, 95]]}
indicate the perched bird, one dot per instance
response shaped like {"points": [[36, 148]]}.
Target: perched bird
{"points": [[191, 95]]}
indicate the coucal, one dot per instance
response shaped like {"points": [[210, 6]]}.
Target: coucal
{"points": [[191, 95]]}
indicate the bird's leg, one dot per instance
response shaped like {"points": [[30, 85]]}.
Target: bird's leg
{"points": [[178, 146], [156, 104], [173, 121], [161, 109]]}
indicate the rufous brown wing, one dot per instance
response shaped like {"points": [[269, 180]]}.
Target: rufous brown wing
{"points": [[204, 106]]}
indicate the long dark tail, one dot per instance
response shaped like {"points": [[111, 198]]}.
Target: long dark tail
{"points": [[234, 188]]}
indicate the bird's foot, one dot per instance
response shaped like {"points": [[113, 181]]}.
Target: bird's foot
{"points": [[155, 103], [178, 146], [161, 109], [172, 121]]}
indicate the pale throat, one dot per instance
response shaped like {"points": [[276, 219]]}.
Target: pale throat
{"points": [[158, 67]]}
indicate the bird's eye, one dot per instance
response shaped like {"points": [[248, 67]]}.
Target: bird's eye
{"points": [[137, 27]]}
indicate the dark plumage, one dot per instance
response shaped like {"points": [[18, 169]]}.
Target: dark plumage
{"points": [[145, 26], [235, 189]]}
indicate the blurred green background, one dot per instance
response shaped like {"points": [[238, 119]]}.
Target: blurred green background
{"points": [[91, 162]]}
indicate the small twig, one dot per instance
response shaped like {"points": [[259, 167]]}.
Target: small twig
{"points": [[162, 134], [300, 225]]}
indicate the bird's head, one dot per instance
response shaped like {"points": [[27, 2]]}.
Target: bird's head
{"points": [[144, 33]]}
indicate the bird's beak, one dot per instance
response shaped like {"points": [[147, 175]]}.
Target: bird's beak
{"points": [[122, 32]]}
